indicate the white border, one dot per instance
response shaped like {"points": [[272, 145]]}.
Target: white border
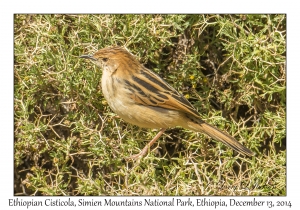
{"points": [[118, 6]]}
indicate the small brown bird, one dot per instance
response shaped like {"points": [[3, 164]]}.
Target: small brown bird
{"points": [[141, 97]]}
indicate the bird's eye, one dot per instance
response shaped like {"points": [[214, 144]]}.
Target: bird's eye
{"points": [[104, 59]]}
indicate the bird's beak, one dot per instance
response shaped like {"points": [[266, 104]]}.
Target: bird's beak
{"points": [[88, 57]]}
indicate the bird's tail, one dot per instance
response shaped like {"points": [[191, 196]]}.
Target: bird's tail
{"points": [[199, 125]]}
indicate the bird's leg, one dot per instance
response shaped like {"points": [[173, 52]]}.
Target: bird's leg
{"points": [[145, 149]]}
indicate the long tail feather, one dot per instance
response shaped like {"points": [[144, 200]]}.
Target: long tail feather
{"points": [[215, 133]]}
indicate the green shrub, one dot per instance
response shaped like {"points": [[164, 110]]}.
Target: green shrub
{"points": [[69, 142]]}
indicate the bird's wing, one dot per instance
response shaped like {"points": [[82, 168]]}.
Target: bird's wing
{"points": [[149, 89]]}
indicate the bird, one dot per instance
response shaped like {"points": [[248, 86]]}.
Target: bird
{"points": [[141, 97]]}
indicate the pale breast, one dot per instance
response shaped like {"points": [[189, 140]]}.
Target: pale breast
{"points": [[115, 94]]}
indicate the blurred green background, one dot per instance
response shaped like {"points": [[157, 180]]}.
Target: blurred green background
{"points": [[232, 68]]}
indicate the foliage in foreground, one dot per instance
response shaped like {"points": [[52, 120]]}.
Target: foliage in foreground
{"points": [[230, 67]]}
